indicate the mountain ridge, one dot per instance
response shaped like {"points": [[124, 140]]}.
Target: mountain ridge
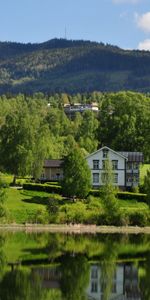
{"points": [[70, 66]]}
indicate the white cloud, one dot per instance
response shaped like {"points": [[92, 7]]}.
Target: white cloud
{"points": [[143, 21], [126, 1], [145, 45]]}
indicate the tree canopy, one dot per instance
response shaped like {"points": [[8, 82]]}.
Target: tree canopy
{"points": [[77, 175]]}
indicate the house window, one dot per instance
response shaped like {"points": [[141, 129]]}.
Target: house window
{"points": [[104, 177], [104, 164], [129, 165], [115, 178], [135, 178], [94, 273], [135, 166], [129, 178], [94, 287], [115, 164], [105, 153], [96, 164], [95, 177]]}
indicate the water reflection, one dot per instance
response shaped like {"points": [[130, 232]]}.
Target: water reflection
{"points": [[74, 267]]}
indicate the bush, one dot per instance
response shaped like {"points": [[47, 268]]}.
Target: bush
{"points": [[139, 218], [123, 195], [117, 219], [42, 187], [95, 193], [38, 217], [131, 196]]}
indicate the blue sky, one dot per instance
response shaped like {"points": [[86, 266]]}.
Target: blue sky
{"points": [[125, 23]]}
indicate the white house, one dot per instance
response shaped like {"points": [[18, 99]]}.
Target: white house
{"points": [[125, 167], [124, 283]]}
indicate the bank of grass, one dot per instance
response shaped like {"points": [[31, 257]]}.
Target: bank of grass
{"points": [[22, 206], [31, 207]]}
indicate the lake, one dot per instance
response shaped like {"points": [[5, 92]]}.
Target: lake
{"points": [[57, 266]]}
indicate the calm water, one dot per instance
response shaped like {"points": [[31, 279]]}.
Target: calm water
{"points": [[74, 267]]}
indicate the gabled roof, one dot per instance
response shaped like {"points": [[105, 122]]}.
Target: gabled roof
{"points": [[105, 147], [133, 156], [52, 163]]}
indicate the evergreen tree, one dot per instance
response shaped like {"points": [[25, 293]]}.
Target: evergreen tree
{"points": [[77, 175]]}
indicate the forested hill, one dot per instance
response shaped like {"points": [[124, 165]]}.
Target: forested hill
{"points": [[61, 65]]}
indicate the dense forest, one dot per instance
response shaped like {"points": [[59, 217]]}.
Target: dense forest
{"points": [[36, 127], [68, 66]]}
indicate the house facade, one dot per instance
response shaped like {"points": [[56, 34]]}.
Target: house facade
{"points": [[52, 170], [124, 283], [71, 110], [125, 167]]}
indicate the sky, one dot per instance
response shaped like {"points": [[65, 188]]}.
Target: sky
{"points": [[124, 23]]}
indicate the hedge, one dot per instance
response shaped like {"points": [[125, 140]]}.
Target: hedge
{"points": [[123, 195], [131, 196], [43, 187], [53, 188]]}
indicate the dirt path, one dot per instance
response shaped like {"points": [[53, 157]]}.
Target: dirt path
{"points": [[76, 228]]}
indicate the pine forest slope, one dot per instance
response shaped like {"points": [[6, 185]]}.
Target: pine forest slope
{"points": [[61, 65]]}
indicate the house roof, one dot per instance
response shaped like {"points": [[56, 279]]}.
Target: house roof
{"points": [[133, 156], [52, 163], [105, 147]]}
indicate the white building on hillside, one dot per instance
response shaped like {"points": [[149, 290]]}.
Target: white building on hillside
{"points": [[125, 167]]}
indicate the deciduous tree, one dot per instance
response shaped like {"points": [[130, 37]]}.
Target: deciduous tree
{"points": [[77, 175]]}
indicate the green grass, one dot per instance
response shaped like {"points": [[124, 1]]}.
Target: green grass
{"points": [[22, 205], [133, 205]]}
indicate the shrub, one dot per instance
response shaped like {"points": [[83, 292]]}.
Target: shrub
{"points": [[117, 219], [139, 218], [95, 193], [123, 195], [38, 217], [131, 196], [53, 210], [74, 213], [42, 187]]}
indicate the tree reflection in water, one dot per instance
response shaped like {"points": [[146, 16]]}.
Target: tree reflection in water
{"points": [[2, 255], [76, 267], [74, 277], [20, 285]]}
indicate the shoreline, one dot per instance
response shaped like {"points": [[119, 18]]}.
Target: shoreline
{"points": [[74, 228]]}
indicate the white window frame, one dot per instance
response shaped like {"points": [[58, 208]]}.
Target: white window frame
{"points": [[115, 164], [105, 153], [96, 164], [95, 177], [115, 177]]}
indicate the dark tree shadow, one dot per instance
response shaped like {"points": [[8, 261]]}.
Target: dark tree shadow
{"points": [[37, 200]]}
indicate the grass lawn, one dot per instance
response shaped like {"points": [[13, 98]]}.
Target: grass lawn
{"points": [[132, 205], [22, 205]]}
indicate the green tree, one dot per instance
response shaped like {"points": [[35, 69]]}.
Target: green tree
{"points": [[77, 175], [87, 133], [124, 122], [23, 139], [108, 191], [147, 186]]}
